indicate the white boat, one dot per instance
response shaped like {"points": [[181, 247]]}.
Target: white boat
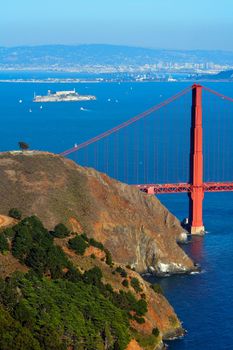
{"points": [[20, 101]]}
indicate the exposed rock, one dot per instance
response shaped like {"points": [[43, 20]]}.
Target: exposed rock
{"points": [[182, 238], [133, 345], [134, 226]]}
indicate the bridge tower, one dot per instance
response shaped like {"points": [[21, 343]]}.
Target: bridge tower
{"points": [[196, 164]]}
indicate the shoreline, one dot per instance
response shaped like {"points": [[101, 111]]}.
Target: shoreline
{"points": [[97, 81]]}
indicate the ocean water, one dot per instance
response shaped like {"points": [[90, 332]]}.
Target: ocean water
{"points": [[202, 301]]}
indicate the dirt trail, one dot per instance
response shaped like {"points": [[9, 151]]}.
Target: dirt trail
{"points": [[6, 221]]}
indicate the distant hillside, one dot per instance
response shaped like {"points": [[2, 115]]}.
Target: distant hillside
{"points": [[65, 56], [224, 75]]}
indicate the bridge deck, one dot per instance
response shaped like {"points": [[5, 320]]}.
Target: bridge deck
{"points": [[185, 187]]}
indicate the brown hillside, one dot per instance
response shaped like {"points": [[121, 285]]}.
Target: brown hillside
{"points": [[135, 227]]}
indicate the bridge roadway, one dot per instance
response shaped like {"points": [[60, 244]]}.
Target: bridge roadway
{"points": [[185, 187]]}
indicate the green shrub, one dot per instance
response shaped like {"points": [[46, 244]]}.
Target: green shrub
{"points": [[84, 236], [157, 288], [155, 332], [4, 246], [139, 320], [78, 244], [22, 242], [56, 261], [121, 271], [108, 257], [136, 284], [15, 213], [9, 232], [96, 244], [108, 287], [93, 276], [93, 256], [73, 275], [36, 259], [61, 231], [128, 302], [147, 341], [141, 307], [125, 283]]}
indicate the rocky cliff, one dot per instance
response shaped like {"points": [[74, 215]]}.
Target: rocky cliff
{"points": [[137, 229]]}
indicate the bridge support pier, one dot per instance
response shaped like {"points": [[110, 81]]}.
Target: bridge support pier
{"points": [[196, 208], [196, 164]]}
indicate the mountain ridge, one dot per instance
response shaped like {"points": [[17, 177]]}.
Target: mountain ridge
{"points": [[95, 54]]}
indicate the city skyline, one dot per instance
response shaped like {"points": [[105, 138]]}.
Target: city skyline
{"points": [[161, 24]]}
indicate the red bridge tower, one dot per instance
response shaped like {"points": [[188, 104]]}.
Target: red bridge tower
{"points": [[196, 195]]}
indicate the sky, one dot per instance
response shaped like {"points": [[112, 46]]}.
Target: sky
{"points": [[169, 24]]}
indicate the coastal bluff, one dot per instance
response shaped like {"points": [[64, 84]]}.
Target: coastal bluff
{"points": [[136, 228]]}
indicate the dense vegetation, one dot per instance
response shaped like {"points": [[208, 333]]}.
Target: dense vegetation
{"points": [[54, 305], [81, 242], [59, 313], [4, 245]]}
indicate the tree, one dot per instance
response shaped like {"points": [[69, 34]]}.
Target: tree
{"points": [[108, 257], [93, 276], [13, 335], [15, 213], [22, 242], [61, 231], [23, 145], [155, 332], [157, 288], [4, 246], [36, 259], [125, 283], [136, 284], [78, 245]]}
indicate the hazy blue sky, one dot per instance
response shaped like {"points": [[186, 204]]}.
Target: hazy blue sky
{"points": [[184, 24]]}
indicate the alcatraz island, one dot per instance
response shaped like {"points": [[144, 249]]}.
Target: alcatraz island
{"points": [[63, 96]]}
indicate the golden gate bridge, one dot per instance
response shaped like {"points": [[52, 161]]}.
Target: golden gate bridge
{"points": [[149, 153]]}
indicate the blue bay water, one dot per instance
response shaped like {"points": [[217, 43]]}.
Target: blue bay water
{"points": [[202, 301]]}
